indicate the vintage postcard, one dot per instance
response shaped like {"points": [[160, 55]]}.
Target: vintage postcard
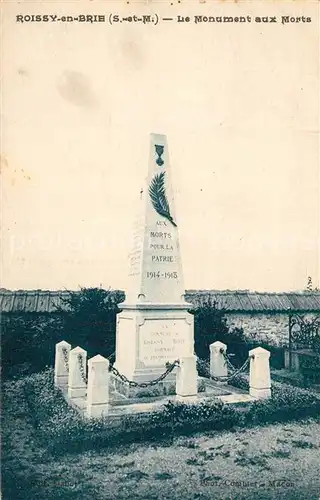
{"points": [[160, 262]]}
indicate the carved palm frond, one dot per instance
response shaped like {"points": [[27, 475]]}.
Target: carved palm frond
{"points": [[158, 197]]}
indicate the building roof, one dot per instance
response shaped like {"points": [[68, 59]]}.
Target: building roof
{"points": [[247, 301], [46, 301]]}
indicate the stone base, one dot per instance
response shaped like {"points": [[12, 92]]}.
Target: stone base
{"points": [[120, 391], [97, 410], [149, 338], [260, 393], [165, 388], [61, 381], [223, 383], [76, 392]]}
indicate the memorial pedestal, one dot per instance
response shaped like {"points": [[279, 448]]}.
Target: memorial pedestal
{"points": [[149, 337]]}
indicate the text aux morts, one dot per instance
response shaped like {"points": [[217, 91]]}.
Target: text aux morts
{"points": [[244, 19], [163, 234]]}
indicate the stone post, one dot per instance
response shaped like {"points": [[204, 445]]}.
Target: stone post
{"points": [[295, 361], [218, 365], [61, 364], [287, 359], [187, 377], [77, 386], [295, 364], [260, 382], [98, 386]]}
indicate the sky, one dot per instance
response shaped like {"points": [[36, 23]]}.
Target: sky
{"points": [[239, 105]]}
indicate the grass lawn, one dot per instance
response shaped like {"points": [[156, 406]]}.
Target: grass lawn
{"points": [[278, 461]]}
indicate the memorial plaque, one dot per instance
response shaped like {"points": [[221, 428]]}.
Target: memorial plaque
{"points": [[163, 340]]}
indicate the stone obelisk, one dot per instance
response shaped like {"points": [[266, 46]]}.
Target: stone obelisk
{"points": [[154, 326]]}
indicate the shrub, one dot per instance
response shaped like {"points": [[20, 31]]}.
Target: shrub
{"points": [[27, 343], [210, 414], [150, 392], [87, 318], [240, 351], [210, 325], [240, 381], [203, 367], [60, 428], [316, 344], [310, 367], [201, 385], [287, 403]]}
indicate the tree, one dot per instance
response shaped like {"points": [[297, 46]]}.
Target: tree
{"points": [[310, 287], [86, 318], [27, 342], [309, 284], [89, 319], [210, 325]]}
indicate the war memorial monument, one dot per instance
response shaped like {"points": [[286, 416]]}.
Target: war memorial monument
{"points": [[154, 326]]}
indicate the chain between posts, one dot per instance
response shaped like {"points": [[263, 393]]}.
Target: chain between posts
{"points": [[170, 367], [81, 367], [235, 371], [65, 358], [227, 361], [131, 383]]}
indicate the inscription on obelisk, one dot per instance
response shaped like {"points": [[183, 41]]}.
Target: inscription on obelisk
{"points": [[155, 264], [154, 326]]}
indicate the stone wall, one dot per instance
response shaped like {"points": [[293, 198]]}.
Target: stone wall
{"points": [[272, 328]]}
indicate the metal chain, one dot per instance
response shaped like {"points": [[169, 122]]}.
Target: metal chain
{"points": [[234, 371], [228, 362], [230, 365], [170, 367], [145, 384], [82, 373], [65, 358], [233, 375]]}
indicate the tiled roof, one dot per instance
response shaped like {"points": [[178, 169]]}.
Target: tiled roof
{"points": [[246, 301], [45, 301], [39, 301]]}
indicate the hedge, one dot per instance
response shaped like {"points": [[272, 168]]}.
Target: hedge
{"points": [[61, 429]]}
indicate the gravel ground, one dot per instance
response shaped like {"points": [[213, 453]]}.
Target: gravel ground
{"points": [[275, 462]]}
